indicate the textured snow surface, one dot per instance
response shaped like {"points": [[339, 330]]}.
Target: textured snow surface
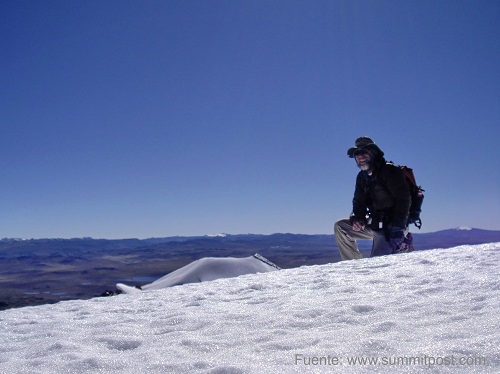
{"points": [[440, 307]]}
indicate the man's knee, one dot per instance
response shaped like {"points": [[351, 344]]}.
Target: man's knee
{"points": [[336, 227], [341, 225]]}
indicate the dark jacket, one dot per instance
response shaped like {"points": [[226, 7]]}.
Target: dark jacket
{"points": [[385, 195]]}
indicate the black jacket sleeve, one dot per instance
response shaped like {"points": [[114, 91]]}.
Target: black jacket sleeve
{"points": [[395, 182], [359, 203]]}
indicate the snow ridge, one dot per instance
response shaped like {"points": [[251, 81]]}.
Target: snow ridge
{"points": [[207, 269]]}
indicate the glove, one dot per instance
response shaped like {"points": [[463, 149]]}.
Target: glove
{"points": [[396, 237]]}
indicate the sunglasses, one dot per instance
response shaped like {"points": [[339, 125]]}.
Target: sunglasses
{"points": [[360, 151]]}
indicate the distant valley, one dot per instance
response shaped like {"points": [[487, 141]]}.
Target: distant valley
{"points": [[40, 271]]}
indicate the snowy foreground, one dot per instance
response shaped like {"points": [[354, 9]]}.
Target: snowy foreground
{"points": [[431, 312]]}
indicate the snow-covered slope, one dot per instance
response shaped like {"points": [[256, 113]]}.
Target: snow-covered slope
{"points": [[207, 269], [430, 311]]}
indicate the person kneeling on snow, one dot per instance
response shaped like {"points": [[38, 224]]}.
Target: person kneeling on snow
{"points": [[381, 206], [207, 269]]}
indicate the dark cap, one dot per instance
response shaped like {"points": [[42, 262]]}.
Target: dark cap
{"points": [[364, 143]]}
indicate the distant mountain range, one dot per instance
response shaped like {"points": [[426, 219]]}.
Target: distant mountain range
{"points": [[38, 271]]}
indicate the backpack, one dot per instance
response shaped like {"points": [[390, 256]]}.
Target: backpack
{"points": [[417, 197]]}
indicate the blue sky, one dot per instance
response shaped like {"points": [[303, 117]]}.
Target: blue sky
{"points": [[156, 118]]}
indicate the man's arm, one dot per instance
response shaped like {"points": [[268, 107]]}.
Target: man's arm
{"points": [[359, 207], [398, 188]]}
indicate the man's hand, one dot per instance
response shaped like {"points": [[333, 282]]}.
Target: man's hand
{"points": [[358, 225]]}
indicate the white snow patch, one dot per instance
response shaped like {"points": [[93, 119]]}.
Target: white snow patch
{"points": [[464, 228], [423, 312], [207, 269]]}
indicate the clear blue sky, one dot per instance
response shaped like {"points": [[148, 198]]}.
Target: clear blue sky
{"points": [[156, 118]]}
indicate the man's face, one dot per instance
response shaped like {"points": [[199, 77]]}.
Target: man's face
{"points": [[363, 159]]}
